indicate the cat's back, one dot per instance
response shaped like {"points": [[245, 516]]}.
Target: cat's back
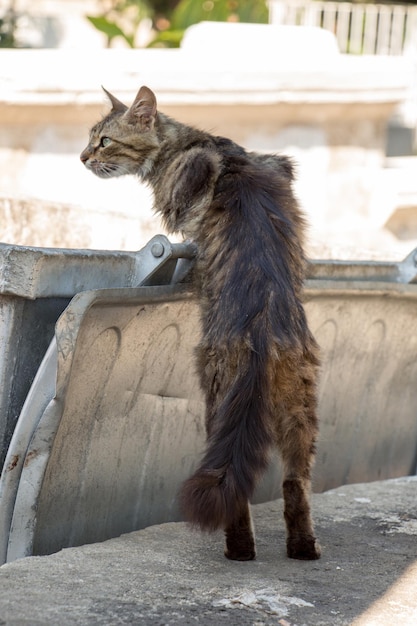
{"points": [[251, 246], [273, 165], [256, 189]]}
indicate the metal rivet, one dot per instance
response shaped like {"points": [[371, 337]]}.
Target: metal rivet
{"points": [[157, 249]]}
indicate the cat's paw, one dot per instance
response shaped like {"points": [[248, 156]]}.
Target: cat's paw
{"points": [[303, 548], [240, 555], [240, 547]]}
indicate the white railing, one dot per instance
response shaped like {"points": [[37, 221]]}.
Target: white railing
{"points": [[359, 28]]}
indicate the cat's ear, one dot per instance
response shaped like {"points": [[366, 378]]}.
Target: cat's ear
{"points": [[143, 109], [117, 106]]}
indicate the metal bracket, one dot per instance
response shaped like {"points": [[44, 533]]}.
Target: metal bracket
{"points": [[162, 262], [407, 269]]}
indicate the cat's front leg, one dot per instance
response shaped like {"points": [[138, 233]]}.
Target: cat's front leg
{"points": [[187, 189], [240, 539]]}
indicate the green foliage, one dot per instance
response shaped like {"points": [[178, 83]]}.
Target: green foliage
{"points": [[124, 17], [110, 29], [169, 38], [190, 12], [7, 30], [122, 20]]}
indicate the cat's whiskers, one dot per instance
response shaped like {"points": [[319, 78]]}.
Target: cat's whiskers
{"points": [[109, 170]]}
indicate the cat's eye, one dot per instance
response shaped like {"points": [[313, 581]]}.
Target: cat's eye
{"points": [[105, 141]]}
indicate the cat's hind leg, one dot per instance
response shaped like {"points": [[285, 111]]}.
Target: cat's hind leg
{"points": [[240, 539], [296, 438], [301, 542]]}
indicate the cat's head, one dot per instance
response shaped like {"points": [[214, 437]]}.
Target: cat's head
{"points": [[125, 141]]}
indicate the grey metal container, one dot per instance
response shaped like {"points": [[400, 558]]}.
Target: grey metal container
{"points": [[114, 420], [36, 284]]}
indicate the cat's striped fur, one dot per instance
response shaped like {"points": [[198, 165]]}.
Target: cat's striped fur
{"points": [[257, 360]]}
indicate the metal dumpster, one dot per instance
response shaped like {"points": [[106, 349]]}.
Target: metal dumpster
{"points": [[36, 284], [114, 419]]}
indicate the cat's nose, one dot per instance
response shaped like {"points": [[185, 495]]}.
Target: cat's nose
{"points": [[84, 156]]}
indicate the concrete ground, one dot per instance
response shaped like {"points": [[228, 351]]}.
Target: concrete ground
{"points": [[168, 575]]}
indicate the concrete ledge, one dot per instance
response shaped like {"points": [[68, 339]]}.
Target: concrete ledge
{"points": [[188, 76], [170, 575]]}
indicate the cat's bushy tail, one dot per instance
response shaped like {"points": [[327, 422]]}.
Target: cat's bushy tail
{"points": [[237, 451]]}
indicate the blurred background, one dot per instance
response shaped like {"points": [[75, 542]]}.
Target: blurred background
{"points": [[333, 84]]}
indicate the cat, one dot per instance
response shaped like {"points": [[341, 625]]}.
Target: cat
{"points": [[257, 360]]}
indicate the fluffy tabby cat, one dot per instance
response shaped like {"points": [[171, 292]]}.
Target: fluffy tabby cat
{"points": [[257, 359]]}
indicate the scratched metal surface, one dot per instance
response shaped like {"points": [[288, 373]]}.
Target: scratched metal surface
{"points": [[125, 426], [368, 387], [36, 284]]}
